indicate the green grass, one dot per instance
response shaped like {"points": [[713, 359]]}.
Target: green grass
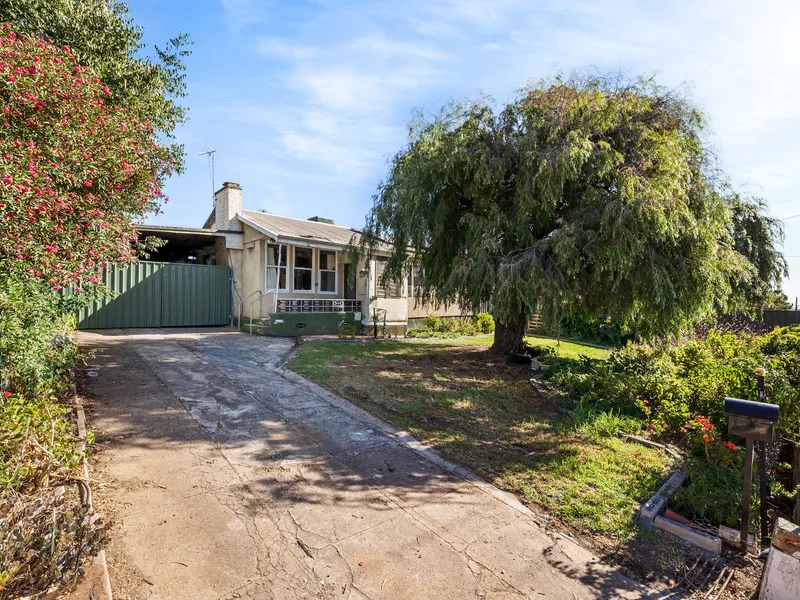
{"points": [[563, 348], [568, 349], [479, 410]]}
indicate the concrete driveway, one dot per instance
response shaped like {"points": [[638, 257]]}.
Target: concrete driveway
{"points": [[227, 477]]}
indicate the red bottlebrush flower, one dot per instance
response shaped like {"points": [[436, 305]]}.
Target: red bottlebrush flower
{"points": [[6, 394], [7, 179], [50, 248]]}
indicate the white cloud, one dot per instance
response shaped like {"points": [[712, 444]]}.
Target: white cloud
{"points": [[241, 13], [343, 76], [282, 49], [379, 44]]}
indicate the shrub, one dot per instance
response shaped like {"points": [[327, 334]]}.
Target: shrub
{"points": [[484, 323], [448, 327], [76, 171], [678, 391], [713, 490], [433, 323], [35, 345], [347, 330]]}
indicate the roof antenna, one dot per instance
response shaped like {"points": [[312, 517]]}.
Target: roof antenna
{"points": [[210, 153]]}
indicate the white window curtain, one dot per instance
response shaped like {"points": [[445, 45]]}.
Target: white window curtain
{"points": [[272, 262]]}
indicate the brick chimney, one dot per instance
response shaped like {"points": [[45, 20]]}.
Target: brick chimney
{"points": [[227, 204]]}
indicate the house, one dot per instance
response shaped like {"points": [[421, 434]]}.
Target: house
{"points": [[293, 276], [267, 273]]}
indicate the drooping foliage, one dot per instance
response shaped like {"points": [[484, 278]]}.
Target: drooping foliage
{"points": [[76, 170], [594, 196]]}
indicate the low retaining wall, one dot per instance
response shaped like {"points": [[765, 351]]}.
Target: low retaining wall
{"points": [[287, 324]]}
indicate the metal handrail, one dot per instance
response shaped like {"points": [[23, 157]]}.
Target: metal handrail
{"points": [[241, 305], [260, 296]]}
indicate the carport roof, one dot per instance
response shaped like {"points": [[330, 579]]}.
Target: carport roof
{"points": [[161, 229], [181, 241]]}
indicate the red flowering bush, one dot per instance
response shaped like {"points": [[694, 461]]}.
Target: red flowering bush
{"points": [[76, 171]]}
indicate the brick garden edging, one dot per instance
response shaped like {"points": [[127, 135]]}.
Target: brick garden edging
{"points": [[651, 515], [96, 584]]}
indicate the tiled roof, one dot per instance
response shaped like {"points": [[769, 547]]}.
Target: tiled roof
{"points": [[299, 229]]}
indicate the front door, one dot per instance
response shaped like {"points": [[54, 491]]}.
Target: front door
{"points": [[349, 282]]}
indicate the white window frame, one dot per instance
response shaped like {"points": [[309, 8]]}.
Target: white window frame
{"points": [[284, 253], [313, 269], [335, 271]]}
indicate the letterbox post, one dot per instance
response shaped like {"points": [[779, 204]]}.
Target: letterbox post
{"points": [[747, 485], [754, 421]]}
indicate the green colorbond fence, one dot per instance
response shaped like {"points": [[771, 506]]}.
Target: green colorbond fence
{"points": [[155, 294]]}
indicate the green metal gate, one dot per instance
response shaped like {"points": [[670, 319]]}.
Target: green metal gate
{"points": [[156, 294]]}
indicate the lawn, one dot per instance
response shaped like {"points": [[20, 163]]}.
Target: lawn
{"points": [[478, 410], [562, 348]]}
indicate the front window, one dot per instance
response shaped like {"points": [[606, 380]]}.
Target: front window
{"points": [[327, 272], [303, 269], [276, 262]]}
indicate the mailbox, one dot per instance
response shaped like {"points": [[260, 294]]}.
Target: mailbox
{"points": [[754, 420]]}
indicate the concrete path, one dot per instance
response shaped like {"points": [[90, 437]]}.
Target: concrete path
{"points": [[231, 478]]}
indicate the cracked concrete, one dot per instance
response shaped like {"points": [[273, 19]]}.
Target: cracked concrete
{"points": [[222, 469]]}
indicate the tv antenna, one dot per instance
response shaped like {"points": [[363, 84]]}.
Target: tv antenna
{"points": [[210, 154]]}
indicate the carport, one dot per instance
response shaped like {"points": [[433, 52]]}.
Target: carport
{"points": [[179, 286]]}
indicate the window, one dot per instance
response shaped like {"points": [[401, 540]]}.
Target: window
{"points": [[390, 289], [272, 266], [327, 272], [415, 278], [303, 270]]}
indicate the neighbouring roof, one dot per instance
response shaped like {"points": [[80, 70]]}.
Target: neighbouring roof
{"points": [[288, 228]]}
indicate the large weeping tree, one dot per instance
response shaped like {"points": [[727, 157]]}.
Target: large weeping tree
{"points": [[591, 196]]}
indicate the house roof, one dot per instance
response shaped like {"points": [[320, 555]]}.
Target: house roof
{"points": [[288, 228]]}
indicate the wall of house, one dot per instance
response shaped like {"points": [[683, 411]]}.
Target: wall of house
{"points": [[230, 257], [252, 271], [396, 309], [423, 309], [253, 277]]}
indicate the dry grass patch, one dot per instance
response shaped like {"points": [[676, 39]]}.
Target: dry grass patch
{"points": [[479, 410]]}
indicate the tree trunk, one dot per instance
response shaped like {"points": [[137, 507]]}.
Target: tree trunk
{"points": [[508, 335]]}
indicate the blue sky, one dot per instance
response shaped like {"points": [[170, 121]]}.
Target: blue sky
{"points": [[305, 102]]}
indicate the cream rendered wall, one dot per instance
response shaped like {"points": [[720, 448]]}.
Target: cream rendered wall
{"points": [[252, 270], [253, 276], [231, 257], [421, 309], [396, 308]]}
